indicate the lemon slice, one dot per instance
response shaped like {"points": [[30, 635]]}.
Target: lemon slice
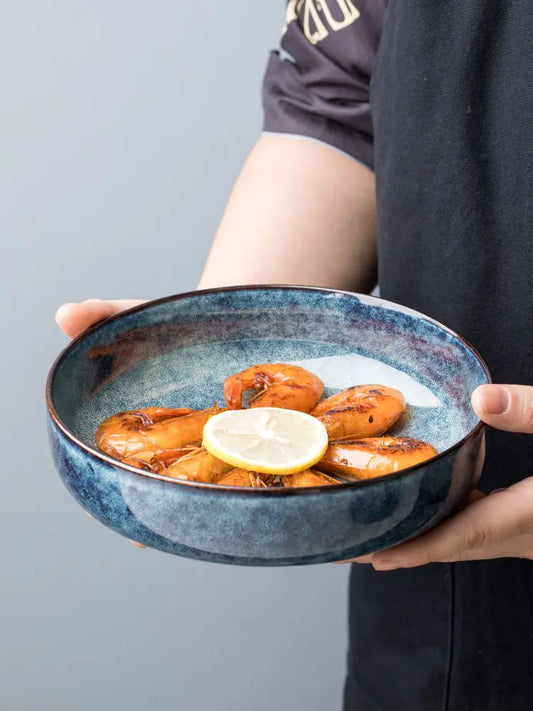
{"points": [[268, 440]]}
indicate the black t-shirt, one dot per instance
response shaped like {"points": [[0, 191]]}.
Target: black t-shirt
{"points": [[318, 84], [437, 98]]}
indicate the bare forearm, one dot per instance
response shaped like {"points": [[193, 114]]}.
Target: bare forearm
{"points": [[300, 213]]}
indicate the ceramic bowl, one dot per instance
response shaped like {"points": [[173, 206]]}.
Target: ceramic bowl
{"points": [[177, 351]]}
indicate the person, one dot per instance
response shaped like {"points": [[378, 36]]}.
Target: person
{"points": [[417, 116]]}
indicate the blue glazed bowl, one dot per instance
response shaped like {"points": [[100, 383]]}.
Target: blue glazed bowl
{"points": [[177, 351]]}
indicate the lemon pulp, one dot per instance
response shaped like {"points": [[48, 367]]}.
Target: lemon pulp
{"points": [[267, 440]]}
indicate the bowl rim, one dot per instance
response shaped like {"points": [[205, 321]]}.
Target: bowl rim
{"points": [[256, 491]]}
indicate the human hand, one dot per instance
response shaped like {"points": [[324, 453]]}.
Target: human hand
{"points": [[135, 543], [499, 525], [72, 319]]}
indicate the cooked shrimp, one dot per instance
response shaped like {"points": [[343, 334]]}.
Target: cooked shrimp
{"points": [[149, 430], [374, 456], [159, 460], [309, 477], [163, 459], [361, 411], [197, 465], [141, 460], [242, 477], [278, 385], [191, 463]]}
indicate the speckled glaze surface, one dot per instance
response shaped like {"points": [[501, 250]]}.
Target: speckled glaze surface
{"points": [[177, 351]]}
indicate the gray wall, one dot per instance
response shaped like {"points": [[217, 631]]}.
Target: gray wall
{"points": [[122, 127]]}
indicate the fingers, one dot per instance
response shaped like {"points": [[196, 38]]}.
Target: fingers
{"points": [[73, 319], [362, 559], [474, 496], [505, 407], [136, 544], [498, 525], [369, 558]]}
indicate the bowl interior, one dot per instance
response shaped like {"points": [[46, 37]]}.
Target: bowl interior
{"points": [[176, 352]]}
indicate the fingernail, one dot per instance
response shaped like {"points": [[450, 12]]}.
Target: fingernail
{"points": [[496, 401], [61, 310], [385, 564]]}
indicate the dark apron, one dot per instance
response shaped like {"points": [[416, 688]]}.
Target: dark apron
{"points": [[452, 101]]}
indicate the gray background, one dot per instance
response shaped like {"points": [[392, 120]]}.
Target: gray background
{"points": [[123, 125]]}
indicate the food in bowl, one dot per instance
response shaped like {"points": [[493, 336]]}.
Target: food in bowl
{"points": [[341, 439]]}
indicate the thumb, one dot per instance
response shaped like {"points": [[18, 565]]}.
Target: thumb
{"points": [[72, 319], [505, 407]]}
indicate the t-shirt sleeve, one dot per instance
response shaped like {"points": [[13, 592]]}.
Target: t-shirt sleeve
{"points": [[317, 84]]}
